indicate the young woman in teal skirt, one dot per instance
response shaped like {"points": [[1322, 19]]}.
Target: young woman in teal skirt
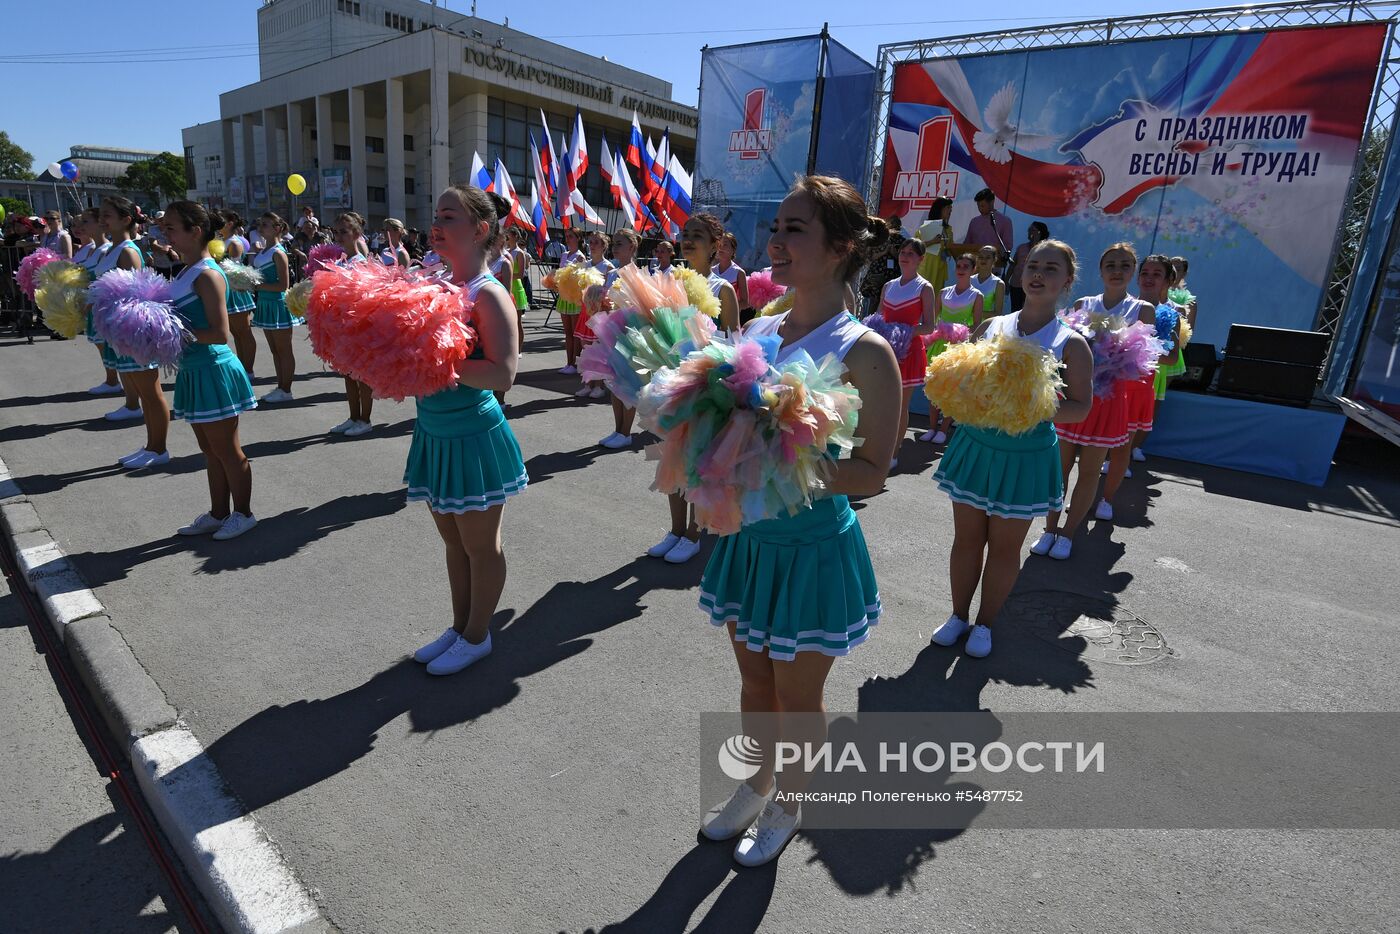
{"points": [[212, 387], [464, 461], [271, 313], [241, 305], [796, 592], [1000, 483], [118, 217]]}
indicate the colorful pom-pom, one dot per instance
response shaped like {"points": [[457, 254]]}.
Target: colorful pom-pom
{"points": [[217, 249], [29, 269], [133, 313], [778, 305], [1183, 331], [298, 296], [1182, 297], [745, 441], [61, 294], [1122, 351], [697, 291], [241, 277], [1006, 383], [762, 288], [950, 332], [571, 281], [322, 255], [402, 333], [899, 336]]}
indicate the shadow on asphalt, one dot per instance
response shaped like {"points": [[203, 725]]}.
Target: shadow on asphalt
{"points": [[285, 749]]}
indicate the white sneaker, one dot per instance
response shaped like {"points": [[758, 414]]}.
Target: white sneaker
{"points": [[684, 550], [1061, 549], [132, 456], [1042, 544], [1138, 455], [235, 525], [951, 631], [123, 414], [204, 524], [979, 642], [927, 436], [140, 459], [583, 392], [1104, 511], [105, 389], [661, 548], [598, 392], [940, 437], [616, 441], [765, 839], [1128, 474], [343, 427], [435, 648], [569, 370], [728, 820], [358, 428], [1103, 469], [894, 462], [278, 395], [151, 460], [459, 655]]}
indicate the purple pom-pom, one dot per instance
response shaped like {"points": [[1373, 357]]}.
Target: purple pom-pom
{"points": [[899, 336], [131, 311], [322, 255], [28, 270]]}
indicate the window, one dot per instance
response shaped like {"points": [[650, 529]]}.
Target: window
{"points": [[374, 144], [396, 21], [342, 152], [408, 186], [351, 7], [375, 195], [408, 142]]}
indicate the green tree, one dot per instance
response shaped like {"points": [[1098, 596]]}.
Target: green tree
{"points": [[15, 162], [16, 208], [159, 179]]}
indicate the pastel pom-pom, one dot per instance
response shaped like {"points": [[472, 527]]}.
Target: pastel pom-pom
{"points": [[29, 269], [697, 291], [951, 332], [1006, 383], [241, 277], [762, 288], [1122, 351], [322, 255], [899, 336], [61, 294], [133, 313], [778, 305], [573, 280], [402, 333], [298, 296]]}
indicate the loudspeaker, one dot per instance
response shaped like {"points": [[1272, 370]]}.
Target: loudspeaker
{"points": [[1272, 364], [1200, 363]]}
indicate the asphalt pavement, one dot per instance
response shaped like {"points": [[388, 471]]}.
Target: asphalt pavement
{"points": [[553, 787]]}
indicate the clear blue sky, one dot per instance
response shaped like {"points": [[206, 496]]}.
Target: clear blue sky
{"points": [[134, 77]]}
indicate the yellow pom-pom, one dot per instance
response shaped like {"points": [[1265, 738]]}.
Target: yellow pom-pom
{"points": [[217, 249], [1005, 383], [1183, 330], [573, 280], [778, 305], [697, 291], [298, 296], [62, 297]]}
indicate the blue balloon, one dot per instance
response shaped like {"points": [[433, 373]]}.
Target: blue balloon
{"points": [[70, 171]]}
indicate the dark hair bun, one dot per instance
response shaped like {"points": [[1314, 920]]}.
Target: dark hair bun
{"points": [[879, 230], [501, 204]]}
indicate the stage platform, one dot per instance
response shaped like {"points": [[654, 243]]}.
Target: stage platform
{"points": [[1240, 434]]}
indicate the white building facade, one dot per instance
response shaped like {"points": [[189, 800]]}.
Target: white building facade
{"points": [[379, 105]]}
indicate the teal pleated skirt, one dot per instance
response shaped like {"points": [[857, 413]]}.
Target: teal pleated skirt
{"points": [[465, 460], [121, 364], [211, 386], [92, 333], [240, 303], [271, 312], [1165, 374], [1009, 476], [800, 583]]}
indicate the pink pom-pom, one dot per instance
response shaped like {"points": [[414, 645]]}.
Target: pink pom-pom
{"points": [[132, 312], [322, 255], [401, 333], [762, 288], [29, 269], [951, 332]]}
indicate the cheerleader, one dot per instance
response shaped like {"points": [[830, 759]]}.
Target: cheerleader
{"points": [[118, 218], [624, 247], [731, 272], [662, 257], [1106, 427], [797, 591], [88, 256], [464, 461], [568, 311], [1155, 280], [519, 274], [1180, 267], [212, 387], [358, 395], [1000, 483], [597, 254], [240, 304], [395, 253], [909, 300], [987, 282], [959, 303], [361, 245], [271, 314]]}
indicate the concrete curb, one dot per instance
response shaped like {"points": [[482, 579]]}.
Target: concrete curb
{"points": [[243, 876]]}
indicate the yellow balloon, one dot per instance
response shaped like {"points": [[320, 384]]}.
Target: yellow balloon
{"points": [[296, 184], [216, 249]]}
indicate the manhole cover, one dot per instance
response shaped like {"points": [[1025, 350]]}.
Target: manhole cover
{"points": [[1096, 630]]}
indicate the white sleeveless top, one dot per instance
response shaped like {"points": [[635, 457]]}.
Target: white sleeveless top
{"points": [[1052, 337], [108, 262], [717, 282], [952, 298], [90, 261], [83, 253], [730, 275], [987, 286], [897, 293], [573, 256], [836, 336], [1095, 306]]}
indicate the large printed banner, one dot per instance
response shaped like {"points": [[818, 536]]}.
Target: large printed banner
{"points": [[757, 109], [1234, 151]]}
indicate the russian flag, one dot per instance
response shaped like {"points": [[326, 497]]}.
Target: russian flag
{"points": [[480, 177], [607, 167], [537, 218], [541, 179], [548, 160], [506, 189], [675, 192], [638, 215], [578, 150], [635, 144]]}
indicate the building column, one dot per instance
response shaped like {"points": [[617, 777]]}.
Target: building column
{"points": [[393, 148], [325, 144], [438, 129], [228, 168], [296, 157], [272, 153], [248, 167], [358, 183]]}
